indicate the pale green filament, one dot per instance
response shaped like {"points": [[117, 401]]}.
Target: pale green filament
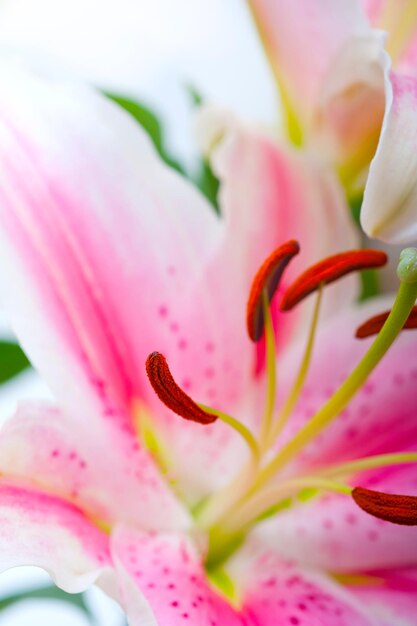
{"points": [[270, 369], [301, 376], [369, 462], [403, 304], [231, 528], [240, 428], [267, 498]]}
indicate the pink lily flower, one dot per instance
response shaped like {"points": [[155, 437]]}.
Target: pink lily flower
{"points": [[107, 255], [333, 63]]}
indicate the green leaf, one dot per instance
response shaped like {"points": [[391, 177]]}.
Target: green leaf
{"points": [[205, 179], [12, 360], [150, 123], [195, 95], [47, 593], [370, 284], [208, 183]]}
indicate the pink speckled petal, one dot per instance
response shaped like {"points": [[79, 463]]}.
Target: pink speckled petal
{"points": [[333, 534], [389, 208], [394, 598], [42, 444], [276, 593], [42, 530], [270, 194], [381, 416], [162, 582], [302, 39], [99, 238]]}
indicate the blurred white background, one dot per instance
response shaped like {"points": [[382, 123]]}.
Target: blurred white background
{"points": [[151, 50]]}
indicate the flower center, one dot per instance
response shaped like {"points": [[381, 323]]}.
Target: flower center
{"points": [[257, 490]]}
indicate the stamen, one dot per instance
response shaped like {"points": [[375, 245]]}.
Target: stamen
{"points": [[369, 462], [294, 394], [254, 506], [374, 324], [171, 394], [240, 428], [267, 279], [403, 304], [328, 270], [393, 508], [271, 372]]}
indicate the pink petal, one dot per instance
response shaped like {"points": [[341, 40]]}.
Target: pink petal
{"points": [[389, 207], [389, 17], [302, 39], [162, 582], [270, 194], [351, 106], [276, 593], [43, 445], [381, 417], [373, 9], [395, 599], [99, 239], [114, 256], [333, 534], [42, 530]]}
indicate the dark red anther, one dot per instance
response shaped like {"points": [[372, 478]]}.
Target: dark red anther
{"points": [[267, 278], [374, 324], [171, 394], [328, 270], [389, 507]]}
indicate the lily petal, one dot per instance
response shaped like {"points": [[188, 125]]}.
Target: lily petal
{"points": [[389, 207], [43, 446], [380, 418], [277, 593], [301, 40], [270, 194], [42, 530], [393, 596], [99, 238], [333, 534], [350, 107], [162, 582], [373, 9]]}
